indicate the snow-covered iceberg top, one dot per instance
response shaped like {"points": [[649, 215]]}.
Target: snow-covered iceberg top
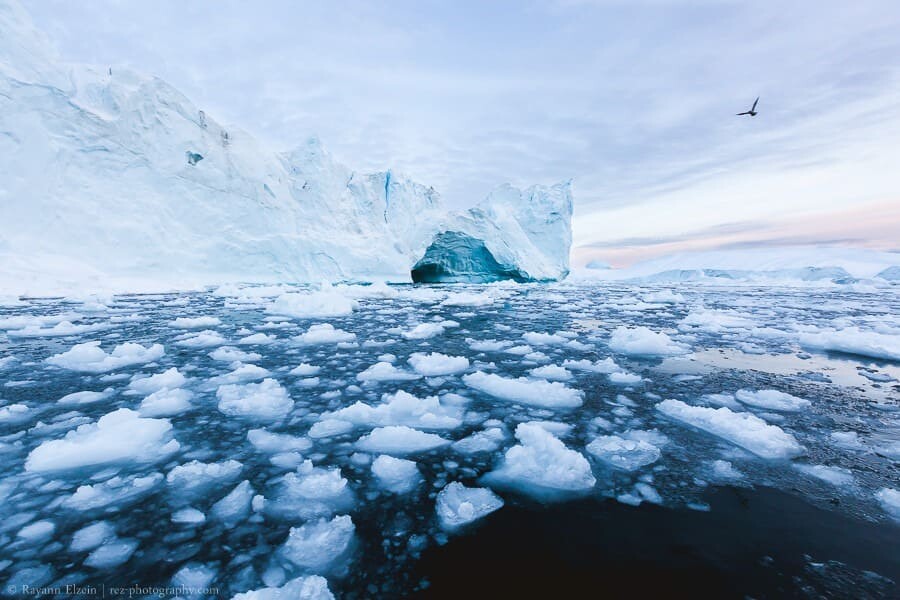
{"points": [[114, 180]]}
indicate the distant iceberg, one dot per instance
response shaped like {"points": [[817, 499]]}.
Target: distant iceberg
{"points": [[811, 265], [114, 180]]}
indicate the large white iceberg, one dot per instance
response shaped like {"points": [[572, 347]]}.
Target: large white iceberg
{"points": [[115, 179]]}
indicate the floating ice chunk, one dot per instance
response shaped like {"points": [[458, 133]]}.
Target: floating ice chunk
{"points": [[120, 436], [551, 373], [436, 364], [722, 469], [651, 436], [320, 304], [542, 461], [23, 321], [743, 429], [396, 474], [305, 370], [89, 357], [890, 501], [240, 374], [468, 299], [316, 546], [165, 403], [195, 322], [715, 320], [525, 390], [663, 297], [401, 408], [424, 331], [847, 439], [625, 378], [480, 441], [111, 554], [286, 460], [195, 477], [399, 440], [15, 413], [458, 505], [853, 340], [37, 531], [623, 453], [538, 357], [257, 339], [311, 587], [329, 428], [772, 400], [607, 365], [264, 401], [641, 341], [487, 345], [310, 492], [116, 491], [630, 499], [86, 397], [236, 505], [557, 429], [522, 350], [378, 289], [193, 577], [385, 371], [648, 493], [91, 536], [63, 328], [170, 379], [200, 339], [544, 339], [834, 475], [232, 354], [276, 443], [325, 333], [722, 400], [188, 515]]}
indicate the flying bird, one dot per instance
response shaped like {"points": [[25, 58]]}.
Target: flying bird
{"points": [[752, 111]]}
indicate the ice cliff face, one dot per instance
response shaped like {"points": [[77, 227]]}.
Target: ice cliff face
{"points": [[110, 173]]}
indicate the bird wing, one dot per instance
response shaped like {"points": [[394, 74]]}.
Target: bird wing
{"points": [[752, 108], [743, 113]]}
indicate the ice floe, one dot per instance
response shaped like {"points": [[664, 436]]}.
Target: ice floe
{"points": [[436, 364], [396, 475], [264, 401], [399, 440], [641, 341], [401, 408], [120, 436], [853, 340], [536, 392], [89, 357], [325, 333], [743, 429], [623, 453], [541, 462], [458, 505], [772, 400]]}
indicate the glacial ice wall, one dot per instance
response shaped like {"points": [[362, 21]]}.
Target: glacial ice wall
{"points": [[109, 174]]}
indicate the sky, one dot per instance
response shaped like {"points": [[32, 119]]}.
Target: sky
{"points": [[634, 101]]}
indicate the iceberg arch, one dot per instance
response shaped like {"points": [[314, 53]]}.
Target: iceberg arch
{"points": [[455, 257]]}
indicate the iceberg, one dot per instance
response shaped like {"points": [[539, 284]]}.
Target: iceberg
{"points": [[100, 159]]}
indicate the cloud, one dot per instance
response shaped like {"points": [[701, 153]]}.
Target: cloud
{"points": [[635, 101]]}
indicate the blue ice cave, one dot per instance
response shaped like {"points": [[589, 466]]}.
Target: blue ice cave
{"points": [[455, 257]]}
